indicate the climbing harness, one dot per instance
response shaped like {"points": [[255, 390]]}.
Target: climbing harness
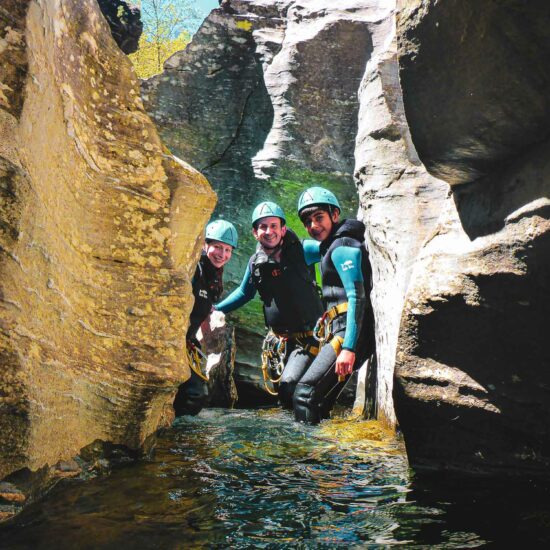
{"points": [[273, 359], [300, 338], [323, 330], [274, 351], [195, 358]]}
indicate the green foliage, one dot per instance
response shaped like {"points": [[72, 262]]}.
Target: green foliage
{"points": [[165, 31], [151, 55]]}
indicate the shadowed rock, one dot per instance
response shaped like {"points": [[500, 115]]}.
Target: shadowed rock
{"points": [[125, 22], [472, 383]]}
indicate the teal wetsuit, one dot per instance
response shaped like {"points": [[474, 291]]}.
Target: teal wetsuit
{"points": [[240, 296], [346, 277]]}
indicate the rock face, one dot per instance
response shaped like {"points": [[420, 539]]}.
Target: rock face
{"points": [[98, 240], [218, 341], [472, 383]]}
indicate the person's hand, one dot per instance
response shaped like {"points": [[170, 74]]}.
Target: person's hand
{"points": [[345, 362]]}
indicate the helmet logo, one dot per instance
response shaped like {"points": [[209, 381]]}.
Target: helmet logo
{"points": [[347, 265]]}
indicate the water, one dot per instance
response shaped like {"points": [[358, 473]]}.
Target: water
{"points": [[255, 479]]}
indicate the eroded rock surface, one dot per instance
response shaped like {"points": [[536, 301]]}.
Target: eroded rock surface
{"points": [[472, 383], [95, 250], [218, 341]]}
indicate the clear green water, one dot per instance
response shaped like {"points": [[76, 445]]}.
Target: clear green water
{"points": [[255, 479]]}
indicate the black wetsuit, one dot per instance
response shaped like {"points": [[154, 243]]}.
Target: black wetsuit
{"points": [[291, 304], [207, 288], [346, 277]]}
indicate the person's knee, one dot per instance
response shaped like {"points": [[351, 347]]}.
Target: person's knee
{"points": [[306, 408], [286, 393]]}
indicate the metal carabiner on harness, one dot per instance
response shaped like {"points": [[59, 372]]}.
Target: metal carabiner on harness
{"points": [[273, 356], [195, 356], [320, 329]]}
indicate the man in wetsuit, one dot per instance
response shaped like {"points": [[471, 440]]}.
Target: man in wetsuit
{"points": [[291, 302], [346, 329], [221, 240]]}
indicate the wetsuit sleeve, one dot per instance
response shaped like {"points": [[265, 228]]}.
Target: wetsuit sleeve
{"points": [[312, 253], [240, 296], [347, 261]]}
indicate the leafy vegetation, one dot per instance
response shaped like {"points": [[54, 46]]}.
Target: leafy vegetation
{"points": [[166, 26]]}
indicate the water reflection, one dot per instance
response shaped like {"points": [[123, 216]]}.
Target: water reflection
{"points": [[255, 479]]}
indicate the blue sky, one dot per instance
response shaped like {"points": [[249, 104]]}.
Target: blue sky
{"points": [[202, 6], [205, 6]]}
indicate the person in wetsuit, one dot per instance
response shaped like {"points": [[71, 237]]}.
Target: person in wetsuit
{"points": [[221, 240], [347, 326], [287, 288]]}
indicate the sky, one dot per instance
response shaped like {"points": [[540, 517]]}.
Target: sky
{"points": [[205, 6]]}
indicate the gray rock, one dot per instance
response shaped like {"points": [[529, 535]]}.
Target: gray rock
{"points": [[471, 376], [125, 22], [217, 340]]}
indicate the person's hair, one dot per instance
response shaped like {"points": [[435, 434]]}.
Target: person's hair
{"points": [[255, 224], [306, 212]]}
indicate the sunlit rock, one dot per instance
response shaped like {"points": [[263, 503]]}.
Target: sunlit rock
{"points": [[100, 228]]}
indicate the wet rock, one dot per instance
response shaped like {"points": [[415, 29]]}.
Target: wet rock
{"points": [[67, 468], [7, 511], [125, 22], [10, 493], [95, 221], [217, 339]]}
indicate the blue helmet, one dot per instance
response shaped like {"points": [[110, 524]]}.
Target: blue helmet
{"points": [[220, 230], [317, 196], [266, 209]]}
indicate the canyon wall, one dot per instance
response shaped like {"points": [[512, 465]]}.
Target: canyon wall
{"points": [[472, 386], [434, 114], [98, 240]]}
